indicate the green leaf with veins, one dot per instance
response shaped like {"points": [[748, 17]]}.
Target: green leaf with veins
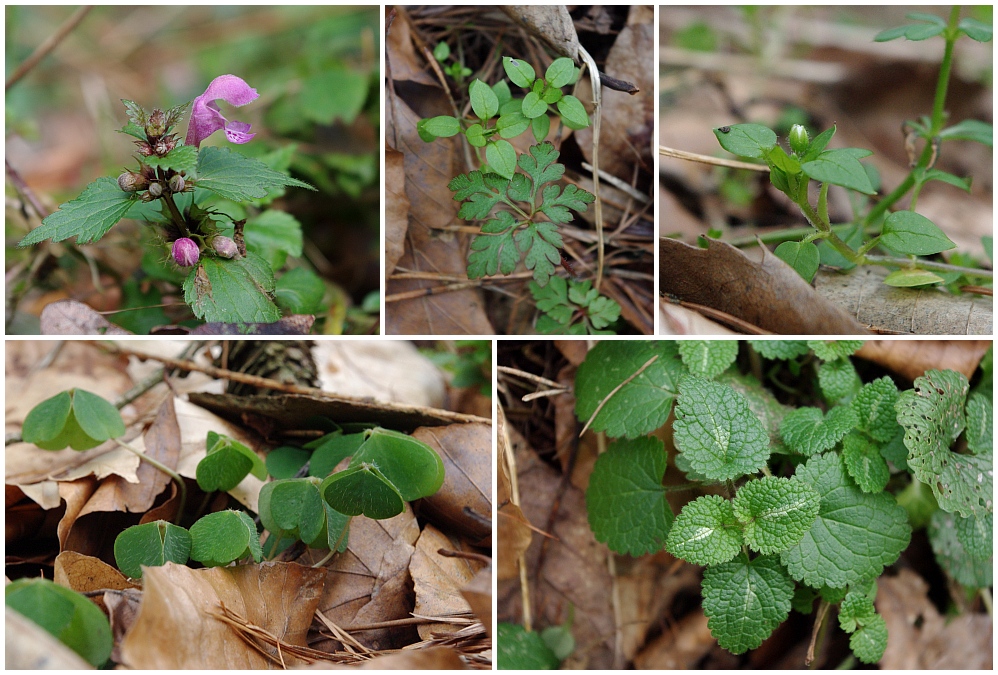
{"points": [[625, 499], [855, 534], [761, 402], [834, 349], [232, 291], [484, 101], [239, 178], [776, 512], [783, 350], [802, 256], [181, 158], [540, 242], [808, 432], [708, 358], [274, 235], [874, 405], [539, 163], [856, 610], [976, 535], [561, 299], [519, 649], [553, 299], [88, 217], [869, 631], [911, 233], [520, 189], [493, 251], [717, 432], [839, 380], [745, 601], [953, 556], [483, 190], [640, 406], [555, 203], [980, 423], [865, 463], [501, 157], [219, 538], [841, 167], [932, 414], [746, 140], [572, 112], [706, 532]]}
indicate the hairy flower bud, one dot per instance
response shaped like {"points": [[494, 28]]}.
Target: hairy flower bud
{"points": [[155, 189], [798, 139], [224, 247], [177, 184], [185, 252], [131, 182], [156, 126]]}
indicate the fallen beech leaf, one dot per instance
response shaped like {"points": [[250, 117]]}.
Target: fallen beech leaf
{"points": [[384, 371], [679, 648], [675, 319], [396, 208], [478, 593], [926, 311], [122, 611], [437, 580], [466, 451], [552, 23], [513, 529], [911, 358], [768, 294], [84, 573], [69, 317], [175, 628], [28, 646]]}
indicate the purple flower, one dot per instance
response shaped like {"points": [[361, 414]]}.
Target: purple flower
{"points": [[206, 117], [185, 252]]}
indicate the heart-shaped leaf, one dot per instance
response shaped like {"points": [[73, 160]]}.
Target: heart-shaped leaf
{"points": [[331, 450], [411, 466], [152, 545], [47, 419], [73, 418], [803, 257], [227, 463], [292, 507], [362, 490], [219, 538], [97, 418]]}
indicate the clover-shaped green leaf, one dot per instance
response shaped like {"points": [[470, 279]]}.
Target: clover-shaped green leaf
{"points": [[412, 466], [286, 461], [362, 489], [227, 463], [292, 507], [625, 499], [808, 432], [865, 463], [219, 538], [708, 358], [874, 405], [151, 544], [717, 432], [74, 418], [706, 532], [330, 450], [776, 512]]}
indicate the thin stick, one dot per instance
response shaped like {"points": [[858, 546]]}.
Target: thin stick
{"points": [[594, 78], [527, 376], [467, 555], [165, 469], [619, 184], [48, 45], [707, 159], [615, 390], [818, 624], [432, 290]]}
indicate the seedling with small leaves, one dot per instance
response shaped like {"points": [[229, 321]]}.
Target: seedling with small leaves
{"points": [[807, 506], [573, 308]]}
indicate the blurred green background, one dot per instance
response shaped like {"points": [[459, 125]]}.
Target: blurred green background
{"points": [[316, 70]]}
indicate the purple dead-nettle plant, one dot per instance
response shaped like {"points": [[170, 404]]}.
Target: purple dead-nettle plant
{"points": [[207, 118]]}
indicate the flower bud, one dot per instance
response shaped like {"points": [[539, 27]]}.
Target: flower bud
{"points": [[177, 184], [225, 247], [155, 189], [798, 139], [132, 182], [156, 126], [185, 252]]}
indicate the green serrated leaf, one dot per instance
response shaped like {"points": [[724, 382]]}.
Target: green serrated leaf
{"points": [[870, 641], [911, 233], [540, 241], [762, 403], [808, 432], [603, 311], [708, 358], [181, 158], [483, 190], [232, 291], [865, 463], [640, 405], [839, 381], [746, 140], [706, 532], [493, 251], [965, 568], [220, 538], [976, 535], [855, 535], [830, 350], [980, 423], [874, 405], [745, 601], [840, 167], [274, 235], [556, 203], [933, 417], [803, 257], [88, 217], [300, 291], [776, 512], [234, 176], [151, 544], [553, 299], [780, 349], [519, 649], [625, 499], [540, 164], [717, 432], [856, 610]]}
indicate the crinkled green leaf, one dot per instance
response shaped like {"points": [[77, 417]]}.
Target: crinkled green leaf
{"points": [[708, 358], [865, 463], [869, 642], [232, 291], [717, 432], [638, 407], [519, 649], [88, 217], [483, 190], [706, 532], [151, 544], [494, 251], [874, 405], [976, 535], [237, 177], [625, 499], [539, 242], [274, 235], [219, 538], [780, 349], [830, 350], [761, 402], [745, 601], [808, 432], [855, 535], [856, 610], [746, 140], [911, 233], [776, 512], [933, 417], [980, 423], [839, 381], [965, 568], [181, 158]]}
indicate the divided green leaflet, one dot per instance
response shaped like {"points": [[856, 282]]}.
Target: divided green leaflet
{"points": [[642, 404], [717, 432], [706, 532], [808, 432], [855, 535], [775, 512], [708, 358], [151, 544], [625, 499], [745, 601], [540, 242]]}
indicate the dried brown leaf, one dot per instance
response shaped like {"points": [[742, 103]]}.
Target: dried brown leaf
{"points": [[396, 208], [438, 579], [69, 317], [911, 358]]}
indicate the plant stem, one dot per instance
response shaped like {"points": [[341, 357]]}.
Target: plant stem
{"points": [[333, 550], [891, 261], [165, 469], [175, 213]]}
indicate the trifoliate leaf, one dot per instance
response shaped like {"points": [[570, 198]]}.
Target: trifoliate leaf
{"points": [[292, 507], [865, 463], [363, 490], [745, 601], [97, 417], [88, 217], [286, 461], [933, 418], [980, 423], [330, 450], [834, 349], [976, 535], [855, 535], [762, 403], [705, 532], [717, 432], [780, 349], [708, 358], [638, 407], [874, 405], [151, 544], [409, 464], [539, 242], [839, 381], [869, 642], [965, 568], [776, 512], [808, 432], [520, 649], [626, 501], [482, 190], [856, 610], [237, 177], [219, 538]]}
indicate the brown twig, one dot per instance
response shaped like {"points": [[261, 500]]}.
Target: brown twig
{"points": [[707, 159], [48, 45]]}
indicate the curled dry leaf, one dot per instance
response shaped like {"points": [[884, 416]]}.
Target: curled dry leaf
{"points": [[478, 593], [390, 372], [28, 646], [396, 208], [438, 579], [84, 573], [911, 358], [551, 23], [175, 628], [680, 648], [513, 529], [434, 658]]}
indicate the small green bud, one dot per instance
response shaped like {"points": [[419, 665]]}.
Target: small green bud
{"points": [[798, 139]]}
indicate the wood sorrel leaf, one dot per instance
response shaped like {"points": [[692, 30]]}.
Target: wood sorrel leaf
{"points": [[484, 101], [151, 544], [572, 112], [855, 534], [808, 432], [363, 490], [332, 449], [286, 461], [560, 73], [219, 538], [237, 177], [642, 404], [913, 234], [292, 508], [746, 140], [227, 463], [708, 358], [88, 217], [776, 512], [501, 157], [841, 167], [626, 501], [232, 291], [802, 256], [717, 432], [410, 465], [745, 601], [46, 420], [706, 532], [519, 71], [97, 417]]}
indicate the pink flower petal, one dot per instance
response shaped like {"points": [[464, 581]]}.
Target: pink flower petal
{"points": [[206, 117], [238, 132]]}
